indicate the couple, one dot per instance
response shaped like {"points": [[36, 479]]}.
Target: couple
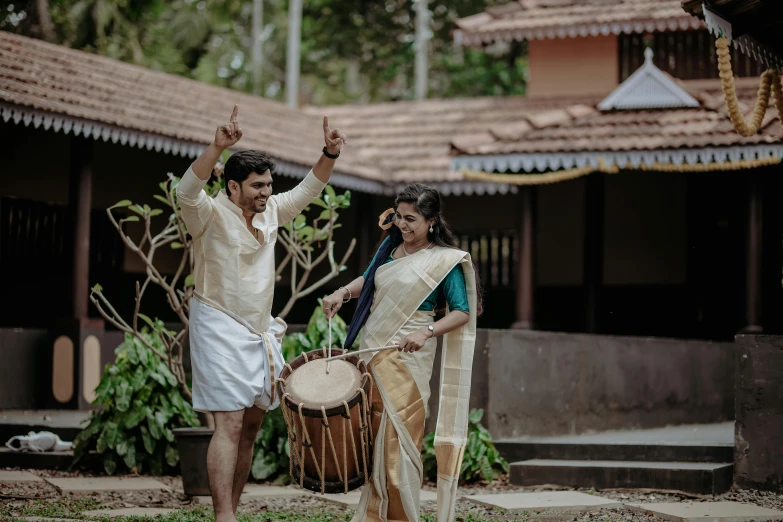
{"points": [[234, 341]]}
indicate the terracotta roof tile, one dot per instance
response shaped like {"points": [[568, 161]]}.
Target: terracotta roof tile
{"points": [[412, 140], [540, 19], [633, 130], [84, 86]]}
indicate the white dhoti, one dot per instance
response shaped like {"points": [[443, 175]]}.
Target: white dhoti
{"points": [[231, 362]]}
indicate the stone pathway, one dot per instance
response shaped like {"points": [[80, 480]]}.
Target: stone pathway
{"points": [[712, 511], [553, 502], [19, 476], [351, 499], [563, 501], [90, 484]]}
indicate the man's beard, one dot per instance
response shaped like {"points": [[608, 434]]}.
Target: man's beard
{"points": [[251, 204]]}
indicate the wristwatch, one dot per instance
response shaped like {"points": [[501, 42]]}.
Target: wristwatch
{"points": [[432, 330]]}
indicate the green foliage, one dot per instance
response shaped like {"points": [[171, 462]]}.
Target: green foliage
{"points": [[315, 336], [358, 50], [141, 404], [481, 460], [271, 453]]}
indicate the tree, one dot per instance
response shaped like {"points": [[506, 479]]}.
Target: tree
{"points": [[352, 50]]}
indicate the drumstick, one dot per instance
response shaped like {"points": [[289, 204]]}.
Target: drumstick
{"points": [[357, 352], [329, 356]]}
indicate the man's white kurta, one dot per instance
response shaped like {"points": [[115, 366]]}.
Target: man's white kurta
{"points": [[234, 285]]}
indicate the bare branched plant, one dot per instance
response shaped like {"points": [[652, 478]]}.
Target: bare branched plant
{"points": [[307, 247]]}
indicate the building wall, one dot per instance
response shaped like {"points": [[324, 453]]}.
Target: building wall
{"points": [[573, 66]]}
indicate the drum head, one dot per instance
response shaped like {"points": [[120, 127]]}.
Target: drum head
{"points": [[311, 385]]}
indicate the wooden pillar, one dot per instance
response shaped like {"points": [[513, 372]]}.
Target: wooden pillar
{"points": [[754, 260], [80, 202], [593, 249], [525, 286]]}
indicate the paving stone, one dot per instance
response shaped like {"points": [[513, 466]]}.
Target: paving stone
{"points": [[129, 512], [708, 511], [19, 476], [571, 501], [428, 496], [351, 499], [261, 491], [87, 484]]}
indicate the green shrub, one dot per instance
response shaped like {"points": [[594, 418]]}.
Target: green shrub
{"points": [[141, 404], [481, 460]]}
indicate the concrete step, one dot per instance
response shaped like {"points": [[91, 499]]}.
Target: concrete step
{"points": [[514, 451], [65, 423], [33, 460], [692, 477]]}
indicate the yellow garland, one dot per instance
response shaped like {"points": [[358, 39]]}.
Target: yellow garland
{"points": [[564, 175], [770, 80]]}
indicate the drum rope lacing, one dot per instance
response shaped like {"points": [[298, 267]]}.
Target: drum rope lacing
{"points": [[365, 430]]}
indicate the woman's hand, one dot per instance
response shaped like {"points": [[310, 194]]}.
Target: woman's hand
{"points": [[415, 341], [333, 302]]}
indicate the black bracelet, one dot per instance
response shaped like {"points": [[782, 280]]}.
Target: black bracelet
{"points": [[331, 156]]}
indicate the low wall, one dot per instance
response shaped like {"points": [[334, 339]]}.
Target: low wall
{"points": [[529, 383], [542, 383], [758, 452]]}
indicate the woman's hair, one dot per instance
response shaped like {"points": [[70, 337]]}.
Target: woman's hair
{"points": [[427, 202]]}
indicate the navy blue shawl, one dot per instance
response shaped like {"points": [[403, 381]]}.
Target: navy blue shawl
{"points": [[368, 290]]}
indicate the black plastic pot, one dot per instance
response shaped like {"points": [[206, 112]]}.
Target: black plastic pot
{"points": [[193, 444]]}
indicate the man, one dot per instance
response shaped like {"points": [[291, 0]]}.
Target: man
{"points": [[234, 358]]}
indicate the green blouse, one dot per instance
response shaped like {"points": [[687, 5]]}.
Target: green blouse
{"points": [[452, 287]]}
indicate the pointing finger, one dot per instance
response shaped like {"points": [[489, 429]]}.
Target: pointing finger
{"points": [[326, 123], [235, 113]]}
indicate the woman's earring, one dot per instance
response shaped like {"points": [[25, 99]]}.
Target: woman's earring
{"points": [[431, 231]]}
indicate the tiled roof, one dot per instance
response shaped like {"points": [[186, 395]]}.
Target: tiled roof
{"points": [[583, 128], [131, 101], [540, 19], [411, 141]]}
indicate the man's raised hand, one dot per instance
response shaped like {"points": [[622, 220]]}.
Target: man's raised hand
{"points": [[228, 134], [334, 139]]}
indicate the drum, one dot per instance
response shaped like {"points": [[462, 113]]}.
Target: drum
{"points": [[328, 418]]}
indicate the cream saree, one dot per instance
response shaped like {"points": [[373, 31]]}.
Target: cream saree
{"points": [[403, 385]]}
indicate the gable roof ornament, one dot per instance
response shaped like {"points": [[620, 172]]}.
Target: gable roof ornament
{"points": [[648, 88]]}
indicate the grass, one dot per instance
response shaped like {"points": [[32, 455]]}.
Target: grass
{"points": [[73, 508]]}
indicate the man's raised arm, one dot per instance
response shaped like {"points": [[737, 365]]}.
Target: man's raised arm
{"points": [[196, 207], [295, 200], [227, 135]]}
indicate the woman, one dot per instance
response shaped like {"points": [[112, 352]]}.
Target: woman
{"points": [[416, 264]]}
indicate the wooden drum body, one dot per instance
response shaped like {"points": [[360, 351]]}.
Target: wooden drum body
{"points": [[328, 419]]}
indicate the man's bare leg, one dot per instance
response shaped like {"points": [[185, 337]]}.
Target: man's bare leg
{"points": [[251, 423], [221, 461]]}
